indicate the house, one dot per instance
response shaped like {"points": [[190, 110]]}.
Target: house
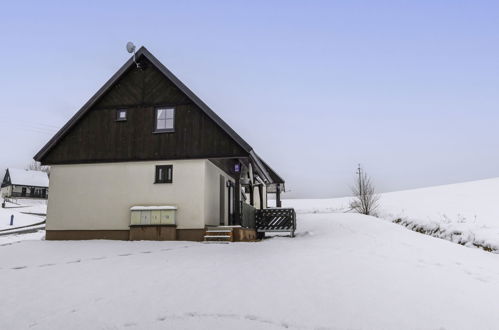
{"points": [[24, 183], [145, 158]]}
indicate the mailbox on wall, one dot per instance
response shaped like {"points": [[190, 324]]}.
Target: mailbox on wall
{"points": [[153, 215]]}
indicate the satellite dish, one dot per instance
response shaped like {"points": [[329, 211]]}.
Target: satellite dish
{"points": [[130, 47]]}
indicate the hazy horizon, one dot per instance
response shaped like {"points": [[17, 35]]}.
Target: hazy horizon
{"points": [[409, 90]]}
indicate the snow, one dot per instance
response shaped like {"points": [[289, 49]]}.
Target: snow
{"points": [[37, 207], [341, 271], [28, 178], [465, 213], [152, 208]]}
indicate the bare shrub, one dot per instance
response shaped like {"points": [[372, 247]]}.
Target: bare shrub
{"points": [[365, 200]]}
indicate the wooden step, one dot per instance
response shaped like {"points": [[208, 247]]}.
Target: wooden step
{"points": [[219, 231], [215, 242], [218, 234]]}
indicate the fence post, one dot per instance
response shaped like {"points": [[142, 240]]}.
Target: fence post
{"points": [[11, 219]]}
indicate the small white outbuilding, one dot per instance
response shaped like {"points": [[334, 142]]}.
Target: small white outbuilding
{"points": [[24, 183]]}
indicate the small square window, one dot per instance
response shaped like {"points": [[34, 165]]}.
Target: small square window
{"points": [[164, 120], [121, 114], [164, 174]]}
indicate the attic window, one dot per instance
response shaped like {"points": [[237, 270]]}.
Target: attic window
{"points": [[121, 115], [165, 120]]}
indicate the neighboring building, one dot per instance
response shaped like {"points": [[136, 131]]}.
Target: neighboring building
{"points": [[145, 143], [25, 183]]}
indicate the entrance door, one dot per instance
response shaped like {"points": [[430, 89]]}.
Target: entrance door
{"points": [[23, 192], [222, 200]]}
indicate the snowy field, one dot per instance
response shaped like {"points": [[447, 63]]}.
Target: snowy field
{"points": [[342, 271], [36, 207], [465, 213]]}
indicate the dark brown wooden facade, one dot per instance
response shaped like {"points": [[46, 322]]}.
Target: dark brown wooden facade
{"points": [[99, 137]]}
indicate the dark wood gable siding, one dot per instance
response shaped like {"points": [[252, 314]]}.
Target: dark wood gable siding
{"points": [[98, 137], [6, 180]]}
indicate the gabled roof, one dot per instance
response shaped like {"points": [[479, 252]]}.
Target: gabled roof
{"points": [[143, 52], [28, 178]]}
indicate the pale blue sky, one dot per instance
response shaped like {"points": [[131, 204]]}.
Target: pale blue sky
{"points": [[410, 89]]}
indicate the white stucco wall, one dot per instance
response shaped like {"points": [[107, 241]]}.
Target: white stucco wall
{"points": [[6, 191], [212, 195], [256, 197], [99, 196]]}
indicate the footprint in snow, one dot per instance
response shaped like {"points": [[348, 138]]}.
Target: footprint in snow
{"points": [[230, 316], [19, 267], [124, 255], [145, 252], [74, 261], [251, 317], [46, 265], [130, 324]]}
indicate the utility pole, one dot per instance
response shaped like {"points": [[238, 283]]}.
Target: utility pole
{"points": [[359, 173]]}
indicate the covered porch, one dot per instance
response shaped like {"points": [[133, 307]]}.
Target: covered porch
{"points": [[247, 198]]}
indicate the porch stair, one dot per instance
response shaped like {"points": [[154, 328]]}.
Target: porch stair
{"points": [[220, 234]]}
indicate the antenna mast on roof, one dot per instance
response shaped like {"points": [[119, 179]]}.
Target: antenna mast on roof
{"points": [[130, 47]]}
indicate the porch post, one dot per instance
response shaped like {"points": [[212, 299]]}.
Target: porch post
{"points": [[237, 192], [260, 194], [278, 196], [252, 192]]}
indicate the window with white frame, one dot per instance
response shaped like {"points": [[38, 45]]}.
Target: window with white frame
{"points": [[165, 120], [121, 115]]}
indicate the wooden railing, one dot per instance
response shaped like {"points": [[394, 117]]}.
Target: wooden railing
{"points": [[275, 220]]}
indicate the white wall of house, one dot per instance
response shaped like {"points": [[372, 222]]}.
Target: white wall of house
{"points": [[212, 195], [256, 197], [18, 189], [99, 196], [6, 191]]}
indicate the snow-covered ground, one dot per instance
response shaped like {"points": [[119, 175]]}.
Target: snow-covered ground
{"points": [[342, 271], [20, 209], [465, 213]]}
